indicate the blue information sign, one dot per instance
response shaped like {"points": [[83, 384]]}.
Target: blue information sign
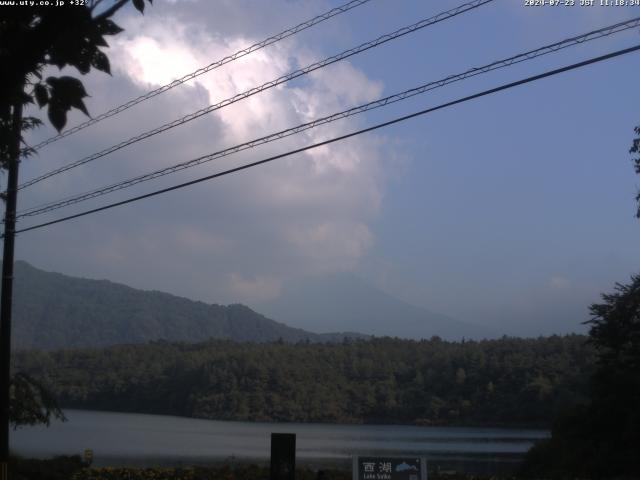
{"points": [[389, 468]]}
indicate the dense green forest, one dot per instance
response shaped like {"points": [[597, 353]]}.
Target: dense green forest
{"points": [[509, 381]]}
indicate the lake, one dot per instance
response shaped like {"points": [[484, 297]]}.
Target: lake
{"points": [[144, 440]]}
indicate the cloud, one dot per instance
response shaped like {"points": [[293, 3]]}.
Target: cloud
{"points": [[332, 246], [239, 237], [256, 288]]}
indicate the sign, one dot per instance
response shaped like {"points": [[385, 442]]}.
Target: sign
{"points": [[88, 456], [389, 468], [283, 456]]}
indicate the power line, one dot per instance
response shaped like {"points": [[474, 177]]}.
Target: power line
{"points": [[190, 76], [342, 137], [273, 83], [596, 34]]}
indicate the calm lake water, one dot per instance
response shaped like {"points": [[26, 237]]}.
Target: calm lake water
{"points": [[134, 439]]}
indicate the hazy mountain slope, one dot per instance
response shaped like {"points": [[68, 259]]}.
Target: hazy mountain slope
{"points": [[344, 302], [52, 310]]}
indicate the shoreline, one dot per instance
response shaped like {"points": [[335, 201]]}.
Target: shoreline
{"points": [[141, 440], [473, 464], [373, 422]]}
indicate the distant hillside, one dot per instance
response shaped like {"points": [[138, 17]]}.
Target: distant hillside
{"points": [[342, 301], [52, 310]]}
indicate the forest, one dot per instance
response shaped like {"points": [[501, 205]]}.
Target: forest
{"points": [[503, 382]]}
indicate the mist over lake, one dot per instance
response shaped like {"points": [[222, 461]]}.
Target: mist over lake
{"points": [[135, 439]]}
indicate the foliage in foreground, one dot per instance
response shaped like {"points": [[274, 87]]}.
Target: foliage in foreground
{"points": [[249, 472], [59, 468], [72, 468], [602, 439], [498, 382], [36, 37], [31, 403]]}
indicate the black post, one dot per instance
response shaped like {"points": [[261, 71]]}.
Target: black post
{"points": [[283, 456], [7, 289]]}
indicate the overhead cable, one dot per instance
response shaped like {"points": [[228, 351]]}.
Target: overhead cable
{"points": [[190, 76], [273, 83], [336, 139], [554, 47]]}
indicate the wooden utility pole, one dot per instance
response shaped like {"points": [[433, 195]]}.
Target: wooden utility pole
{"points": [[7, 287]]}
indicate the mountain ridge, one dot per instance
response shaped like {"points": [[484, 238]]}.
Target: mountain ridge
{"points": [[52, 310], [344, 301]]}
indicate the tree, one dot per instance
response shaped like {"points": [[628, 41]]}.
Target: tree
{"points": [[33, 38], [635, 149], [615, 332], [31, 403], [602, 438]]}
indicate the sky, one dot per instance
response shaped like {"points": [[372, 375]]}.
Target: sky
{"points": [[514, 211]]}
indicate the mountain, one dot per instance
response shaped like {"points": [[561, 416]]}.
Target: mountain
{"points": [[52, 310], [343, 301]]}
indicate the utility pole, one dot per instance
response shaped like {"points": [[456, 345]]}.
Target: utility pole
{"points": [[7, 287]]}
